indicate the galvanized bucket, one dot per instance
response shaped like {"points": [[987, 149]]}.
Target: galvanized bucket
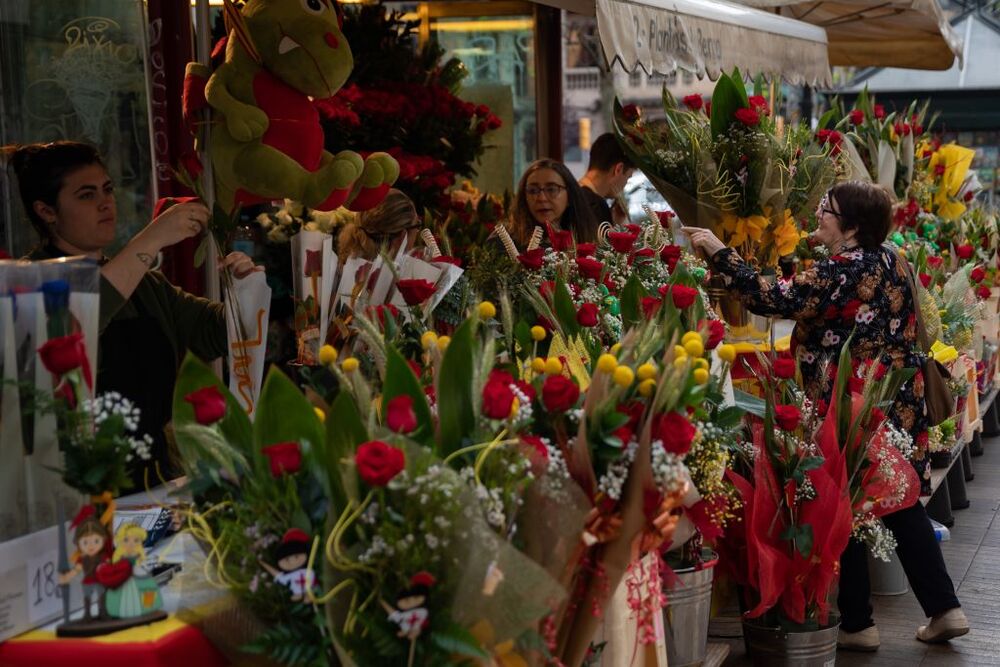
{"points": [[685, 618], [887, 578], [773, 647]]}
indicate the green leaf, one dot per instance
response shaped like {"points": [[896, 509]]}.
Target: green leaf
{"points": [[285, 415], [399, 381], [345, 430], [460, 641], [749, 403], [456, 416], [810, 463], [522, 334], [565, 311], [825, 119], [201, 251], [234, 426], [729, 417], [729, 95], [630, 301]]}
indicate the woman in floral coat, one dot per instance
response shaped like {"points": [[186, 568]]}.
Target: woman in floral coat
{"points": [[861, 292]]}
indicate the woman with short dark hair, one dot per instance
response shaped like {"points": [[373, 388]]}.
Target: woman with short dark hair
{"points": [[862, 293], [146, 324]]}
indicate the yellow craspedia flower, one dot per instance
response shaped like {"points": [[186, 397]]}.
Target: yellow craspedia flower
{"points": [[443, 342], [538, 365], [553, 366], [607, 363], [700, 375], [695, 347], [701, 363], [727, 352], [690, 335], [614, 348], [487, 310], [350, 364], [679, 351], [538, 333], [623, 376], [428, 339], [647, 387], [681, 362], [327, 355], [646, 371], [320, 414]]}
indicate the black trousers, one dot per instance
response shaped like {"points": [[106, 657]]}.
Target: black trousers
{"points": [[920, 555]]}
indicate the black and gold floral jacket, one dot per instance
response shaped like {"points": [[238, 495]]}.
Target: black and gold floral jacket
{"points": [[861, 294]]}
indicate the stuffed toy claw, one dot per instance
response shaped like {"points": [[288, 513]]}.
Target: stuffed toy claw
{"points": [[380, 172]]}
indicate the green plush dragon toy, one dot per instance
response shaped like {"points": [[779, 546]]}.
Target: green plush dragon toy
{"points": [[266, 140]]}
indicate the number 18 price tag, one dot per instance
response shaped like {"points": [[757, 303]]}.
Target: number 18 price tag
{"points": [[44, 595]]}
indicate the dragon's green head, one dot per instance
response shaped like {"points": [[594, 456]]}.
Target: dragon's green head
{"points": [[301, 43]]}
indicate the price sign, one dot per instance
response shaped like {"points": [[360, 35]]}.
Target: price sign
{"points": [[44, 595]]}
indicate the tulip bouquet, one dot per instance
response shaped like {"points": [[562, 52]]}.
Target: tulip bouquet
{"points": [[731, 167]]}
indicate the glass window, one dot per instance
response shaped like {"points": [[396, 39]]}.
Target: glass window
{"points": [[76, 69]]}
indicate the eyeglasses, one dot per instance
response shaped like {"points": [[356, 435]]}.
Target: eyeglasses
{"points": [[825, 208], [551, 191]]}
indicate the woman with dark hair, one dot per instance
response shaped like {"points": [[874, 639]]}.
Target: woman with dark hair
{"points": [[549, 195], [861, 292], [146, 324]]}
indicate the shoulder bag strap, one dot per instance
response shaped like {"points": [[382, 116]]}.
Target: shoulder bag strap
{"points": [[915, 295]]}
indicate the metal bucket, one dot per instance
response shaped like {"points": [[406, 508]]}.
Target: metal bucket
{"points": [[773, 647], [685, 618], [887, 578]]}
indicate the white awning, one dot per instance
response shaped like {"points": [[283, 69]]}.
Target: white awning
{"points": [[913, 34], [706, 37]]}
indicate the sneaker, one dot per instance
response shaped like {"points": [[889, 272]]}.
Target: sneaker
{"points": [[865, 640], [943, 627]]}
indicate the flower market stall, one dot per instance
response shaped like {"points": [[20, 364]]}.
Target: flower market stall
{"points": [[486, 449]]}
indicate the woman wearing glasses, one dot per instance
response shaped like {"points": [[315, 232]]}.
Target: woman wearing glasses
{"points": [[549, 195], [862, 291]]}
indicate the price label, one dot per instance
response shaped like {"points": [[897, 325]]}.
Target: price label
{"points": [[44, 594]]}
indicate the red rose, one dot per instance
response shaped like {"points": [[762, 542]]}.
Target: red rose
{"points": [[939, 170], [925, 280], [589, 268], [586, 316], [526, 389], [983, 292], [831, 137], [415, 290], [902, 129], [378, 462], [191, 163], [784, 368], [621, 241], [682, 296], [665, 217], [532, 259], [968, 196], [633, 228], [559, 394], [964, 251], [878, 111], [934, 261], [715, 330], [875, 418], [634, 412], [560, 240], [855, 385], [66, 353], [650, 305], [857, 116], [787, 416], [630, 113], [748, 117], [977, 274], [284, 457], [585, 249], [642, 254], [675, 431], [670, 254], [535, 450], [209, 405], [694, 102], [399, 414], [759, 104], [382, 309], [498, 397]]}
